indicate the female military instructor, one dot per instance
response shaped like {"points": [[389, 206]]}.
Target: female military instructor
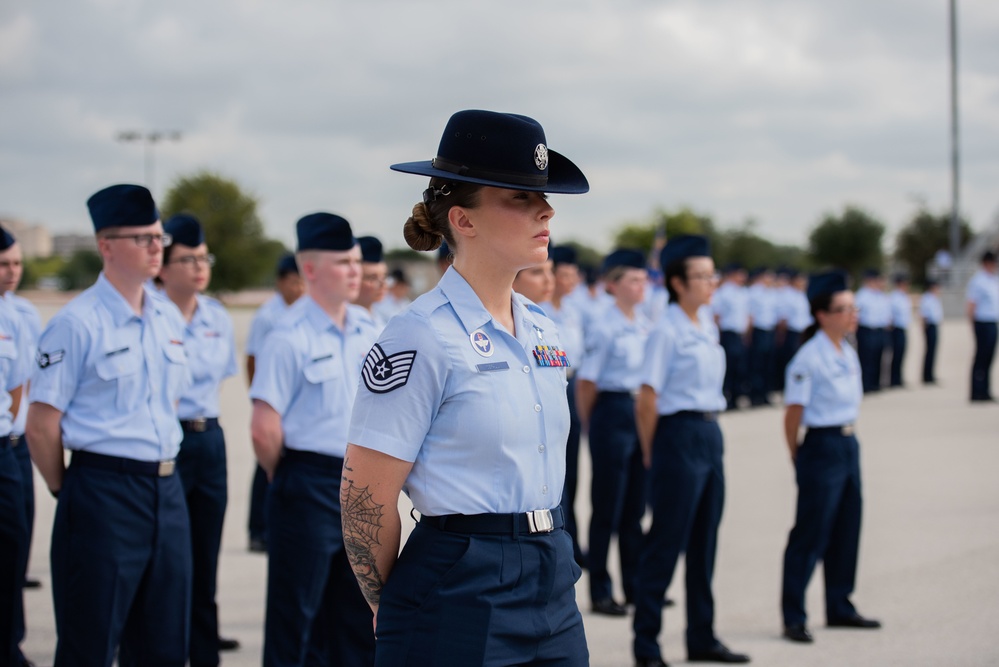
{"points": [[462, 405]]}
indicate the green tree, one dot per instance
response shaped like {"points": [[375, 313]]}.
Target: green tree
{"points": [[744, 245], [642, 235], [851, 241], [81, 270], [233, 229], [921, 238]]}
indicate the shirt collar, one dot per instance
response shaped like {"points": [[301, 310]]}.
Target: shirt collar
{"points": [[318, 318], [465, 302], [120, 310]]}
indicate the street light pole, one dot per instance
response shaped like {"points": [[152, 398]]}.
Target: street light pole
{"points": [[955, 236], [149, 140]]}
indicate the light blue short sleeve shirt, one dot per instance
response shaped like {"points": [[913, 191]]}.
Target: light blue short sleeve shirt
{"points": [[211, 351], [480, 413], [615, 351], [983, 292], [930, 308], [309, 371], [31, 329], [115, 376], [263, 322], [826, 381]]}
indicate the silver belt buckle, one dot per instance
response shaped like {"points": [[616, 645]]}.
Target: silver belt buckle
{"points": [[847, 430], [540, 521], [166, 468], [15, 439], [199, 425]]}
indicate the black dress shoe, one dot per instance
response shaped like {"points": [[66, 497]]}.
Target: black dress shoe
{"points": [[258, 546], [228, 644], [608, 607], [798, 633], [719, 653], [650, 662], [32, 583], [669, 602], [855, 621]]}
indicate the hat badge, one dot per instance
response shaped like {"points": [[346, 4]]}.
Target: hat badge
{"points": [[541, 157]]}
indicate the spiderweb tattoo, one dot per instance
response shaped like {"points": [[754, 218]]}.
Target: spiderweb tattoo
{"points": [[362, 521]]}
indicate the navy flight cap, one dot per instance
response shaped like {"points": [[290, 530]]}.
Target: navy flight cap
{"points": [[371, 249], [829, 282], [286, 265], [503, 150], [562, 254], [324, 231], [682, 247], [627, 257], [122, 206], [6, 239], [185, 230]]}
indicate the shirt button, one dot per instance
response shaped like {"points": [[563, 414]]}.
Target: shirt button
{"points": [[544, 489], [537, 408], [527, 369], [541, 448]]}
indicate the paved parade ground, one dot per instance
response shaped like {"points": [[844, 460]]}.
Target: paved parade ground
{"points": [[929, 563]]}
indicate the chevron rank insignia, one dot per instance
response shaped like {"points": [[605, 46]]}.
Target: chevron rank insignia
{"points": [[384, 373]]}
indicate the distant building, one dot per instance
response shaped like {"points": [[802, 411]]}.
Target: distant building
{"points": [[35, 240], [64, 245]]}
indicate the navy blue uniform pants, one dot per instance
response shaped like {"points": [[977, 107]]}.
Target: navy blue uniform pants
{"points": [[316, 614], [617, 493], [13, 551], [23, 458], [735, 366], [202, 468], [572, 472], [870, 350], [257, 524], [898, 345], [930, 358], [761, 360], [687, 489], [985, 351], [121, 567], [826, 524], [459, 600]]}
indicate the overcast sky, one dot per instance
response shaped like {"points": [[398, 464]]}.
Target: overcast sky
{"points": [[777, 110]]}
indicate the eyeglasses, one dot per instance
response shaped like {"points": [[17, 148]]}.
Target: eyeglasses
{"points": [[145, 240], [374, 280], [702, 276], [844, 309], [193, 260]]}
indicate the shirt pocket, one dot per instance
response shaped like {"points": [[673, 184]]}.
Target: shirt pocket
{"points": [[175, 370], [320, 375], [119, 372]]}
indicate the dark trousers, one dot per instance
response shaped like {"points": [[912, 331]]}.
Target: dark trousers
{"points": [[459, 600], [761, 361], [572, 472], [202, 468], [316, 614], [789, 344], [257, 524], [13, 554], [930, 358], [121, 568], [985, 351], [617, 493], [898, 345], [23, 458], [870, 350], [735, 366], [826, 525], [687, 489]]}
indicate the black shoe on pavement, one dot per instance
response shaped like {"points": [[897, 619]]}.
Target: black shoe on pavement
{"points": [[608, 607], [720, 653], [798, 633], [855, 621], [32, 583], [650, 662], [227, 644], [257, 545]]}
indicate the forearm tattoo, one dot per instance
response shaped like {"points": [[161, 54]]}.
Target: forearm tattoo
{"points": [[362, 522]]}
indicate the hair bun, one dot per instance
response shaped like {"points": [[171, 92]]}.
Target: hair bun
{"points": [[418, 230]]}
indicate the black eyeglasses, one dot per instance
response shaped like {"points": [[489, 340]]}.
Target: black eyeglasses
{"points": [[145, 240], [194, 260]]}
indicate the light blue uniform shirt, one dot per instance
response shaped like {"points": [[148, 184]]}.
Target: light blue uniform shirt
{"points": [[31, 329], [730, 304], [930, 308], [449, 389], [826, 381], [308, 372], [983, 291], [684, 363], [14, 362], [615, 351], [211, 351], [269, 313], [763, 307], [797, 313], [875, 308], [901, 309], [115, 376], [570, 329]]}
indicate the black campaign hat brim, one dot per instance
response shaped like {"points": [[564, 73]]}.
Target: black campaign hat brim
{"points": [[564, 177]]}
